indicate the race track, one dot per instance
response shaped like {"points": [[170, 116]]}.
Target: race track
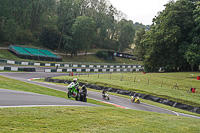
{"points": [[48, 100], [13, 98]]}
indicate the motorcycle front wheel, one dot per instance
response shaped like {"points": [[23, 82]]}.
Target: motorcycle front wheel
{"points": [[138, 101], [69, 94]]}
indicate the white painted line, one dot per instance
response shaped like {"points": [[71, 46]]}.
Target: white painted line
{"points": [[39, 106]]}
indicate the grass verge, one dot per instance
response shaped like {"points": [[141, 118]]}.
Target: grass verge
{"points": [[92, 119]]}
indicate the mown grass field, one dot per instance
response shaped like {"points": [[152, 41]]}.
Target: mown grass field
{"points": [[150, 83], [92, 119]]}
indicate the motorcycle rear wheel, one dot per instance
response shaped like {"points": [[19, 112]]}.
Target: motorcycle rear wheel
{"points": [[138, 101], [85, 100], [78, 97]]}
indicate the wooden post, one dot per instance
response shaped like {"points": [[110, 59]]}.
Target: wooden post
{"points": [[110, 75], [175, 86], [161, 83], [122, 78], [148, 82], [98, 75]]}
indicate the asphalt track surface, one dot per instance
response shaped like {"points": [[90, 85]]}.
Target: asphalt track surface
{"points": [[10, 98]]}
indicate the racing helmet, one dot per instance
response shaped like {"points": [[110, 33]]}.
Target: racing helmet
{"points": [[83, 87], [75, 80]]}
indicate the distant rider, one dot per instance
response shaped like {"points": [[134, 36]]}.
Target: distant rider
{"points": [[103, 92], [134, 96]]}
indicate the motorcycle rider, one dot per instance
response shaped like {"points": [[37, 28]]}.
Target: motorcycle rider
{"points": [[134, 96], [76, 84], [103, 92], [84, 89], [83, 93]]}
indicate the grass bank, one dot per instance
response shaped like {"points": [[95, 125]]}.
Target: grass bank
{"points": [[157, 84], [92, 119], [5, 54]]}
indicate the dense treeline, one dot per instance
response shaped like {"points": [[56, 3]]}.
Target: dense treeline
{"points": [[72, 25], [173, 41]]}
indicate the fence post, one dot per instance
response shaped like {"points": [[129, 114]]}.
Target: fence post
{"points": [[161, 83], [122, 78]]}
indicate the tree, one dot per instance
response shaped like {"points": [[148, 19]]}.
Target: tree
{"points": [[140, 45], [50, 37], [168, 39], [83, 32], [192, 53], [126, 34]]}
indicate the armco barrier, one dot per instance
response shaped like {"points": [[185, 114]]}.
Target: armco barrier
{"points": [[130, 93], [91, 70], [73, 64], [17, 69]]}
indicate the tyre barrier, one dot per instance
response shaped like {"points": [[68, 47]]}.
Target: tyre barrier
{"points": [[130, 93], [29, 69]]}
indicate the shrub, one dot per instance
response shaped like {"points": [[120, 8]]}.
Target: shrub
{"points": [[101, 54]]}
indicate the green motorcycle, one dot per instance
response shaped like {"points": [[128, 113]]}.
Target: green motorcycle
{"points": [[73, 92]]}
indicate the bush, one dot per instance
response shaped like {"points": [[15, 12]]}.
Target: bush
{"points": [[101, 54]]}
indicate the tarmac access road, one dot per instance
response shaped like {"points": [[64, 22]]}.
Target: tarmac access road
{"points": [[114, 100]]}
